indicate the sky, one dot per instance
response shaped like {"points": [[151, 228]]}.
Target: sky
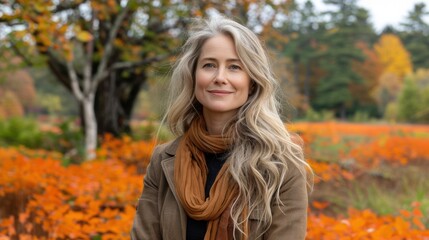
{"points": [[383, 12]]}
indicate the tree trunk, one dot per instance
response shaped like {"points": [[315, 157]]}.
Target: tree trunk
{"points": [[343, 112], [307, 83], [114, 102], [296, 73], [90, 124]]}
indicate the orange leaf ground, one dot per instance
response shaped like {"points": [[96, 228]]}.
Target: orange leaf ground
{"points": [[40, 199]]}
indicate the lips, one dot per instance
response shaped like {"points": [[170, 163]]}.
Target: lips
{"points": [[220, 91]]}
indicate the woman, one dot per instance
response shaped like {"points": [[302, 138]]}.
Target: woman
{"points": [[234, 171]]}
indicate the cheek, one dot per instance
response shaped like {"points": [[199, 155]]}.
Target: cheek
{"points": [[201, 79], [245, 85], [199, 85]]}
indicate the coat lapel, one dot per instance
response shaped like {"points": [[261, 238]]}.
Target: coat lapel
{"points": [[168, 168]]}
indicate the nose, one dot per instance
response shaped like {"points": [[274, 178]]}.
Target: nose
{"points": [[221, 77]]}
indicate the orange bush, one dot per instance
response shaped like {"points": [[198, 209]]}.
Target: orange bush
{"points": [[366, 225], [124, 149], [368, 144], [44, 199], [329, 171]]}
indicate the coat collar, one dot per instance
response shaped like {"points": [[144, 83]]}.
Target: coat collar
{"points": [[172, 147], [168, 168]]}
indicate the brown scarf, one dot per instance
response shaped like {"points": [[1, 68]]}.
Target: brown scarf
{"points": [[190, 175]]}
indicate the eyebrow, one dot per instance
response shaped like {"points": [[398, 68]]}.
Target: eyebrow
{"points": [[214, 59]]}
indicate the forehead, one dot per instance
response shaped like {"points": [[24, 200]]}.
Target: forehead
{"points": [[220, 46]]}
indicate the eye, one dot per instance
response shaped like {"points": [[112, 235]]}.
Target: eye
{"points": [[209, 65], [235, 67]]}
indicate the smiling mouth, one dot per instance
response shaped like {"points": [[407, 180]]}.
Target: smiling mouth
{"points": [[219, 91]]}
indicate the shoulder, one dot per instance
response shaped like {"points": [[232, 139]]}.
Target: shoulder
{"points": [[165, 150], [295, 177], [160, 153]]}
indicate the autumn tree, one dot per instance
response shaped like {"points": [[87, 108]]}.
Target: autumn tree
{"points": [[104, 50], [21, 84], [393, 55], [396, 64], [370, 70], [17, 90]]}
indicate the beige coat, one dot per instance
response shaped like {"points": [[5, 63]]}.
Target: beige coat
{"points": [[160, 216]]}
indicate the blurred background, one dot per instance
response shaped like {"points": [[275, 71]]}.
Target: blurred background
{"points": [[83, 88]]}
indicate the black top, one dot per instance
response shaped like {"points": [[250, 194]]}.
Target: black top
{"points": [[196, 229]]}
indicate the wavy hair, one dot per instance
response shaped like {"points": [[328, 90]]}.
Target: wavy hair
{"points": [[260, 172]]}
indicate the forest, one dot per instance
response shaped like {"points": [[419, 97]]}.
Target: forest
{"points": [[82, 93]]}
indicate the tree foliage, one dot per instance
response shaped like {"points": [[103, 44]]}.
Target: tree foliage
{"points": [[393, 55], [416, 35], [348, 23], [120, 45], [103, 51], [413, 100], [370, 70], [409, 102]]}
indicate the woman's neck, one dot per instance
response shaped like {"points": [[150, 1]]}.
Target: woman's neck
{"points": [[216, 122]]}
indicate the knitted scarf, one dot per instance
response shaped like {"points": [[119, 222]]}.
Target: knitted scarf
{"points": [[190, 176]]}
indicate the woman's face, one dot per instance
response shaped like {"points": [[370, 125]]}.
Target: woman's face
{"points": [[221, 83]]}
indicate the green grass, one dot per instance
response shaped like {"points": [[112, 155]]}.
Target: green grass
{"points": [[385, 191]]}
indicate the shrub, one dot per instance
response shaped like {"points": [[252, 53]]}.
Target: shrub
{"points": [[20, 131], [40, 198]]}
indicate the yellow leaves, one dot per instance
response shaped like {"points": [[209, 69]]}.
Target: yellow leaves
{"points": [[84, 36], [20, 34], [42, 7], [67, 51], [393, 55], [43, 39]]}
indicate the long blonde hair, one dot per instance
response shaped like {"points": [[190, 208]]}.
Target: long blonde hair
{"points": [[263, 147]]}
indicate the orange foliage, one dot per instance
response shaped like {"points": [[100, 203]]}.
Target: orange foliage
{"points": [[367, 225], [368, 144], [128, 151], [327, 172], [42, 198], [394, 149], [370, 70]]}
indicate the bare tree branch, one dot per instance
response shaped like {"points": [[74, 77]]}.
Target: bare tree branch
{"points": [[87, 69], [67, 5], [74, 81], [128, 65], [101, 71]]}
